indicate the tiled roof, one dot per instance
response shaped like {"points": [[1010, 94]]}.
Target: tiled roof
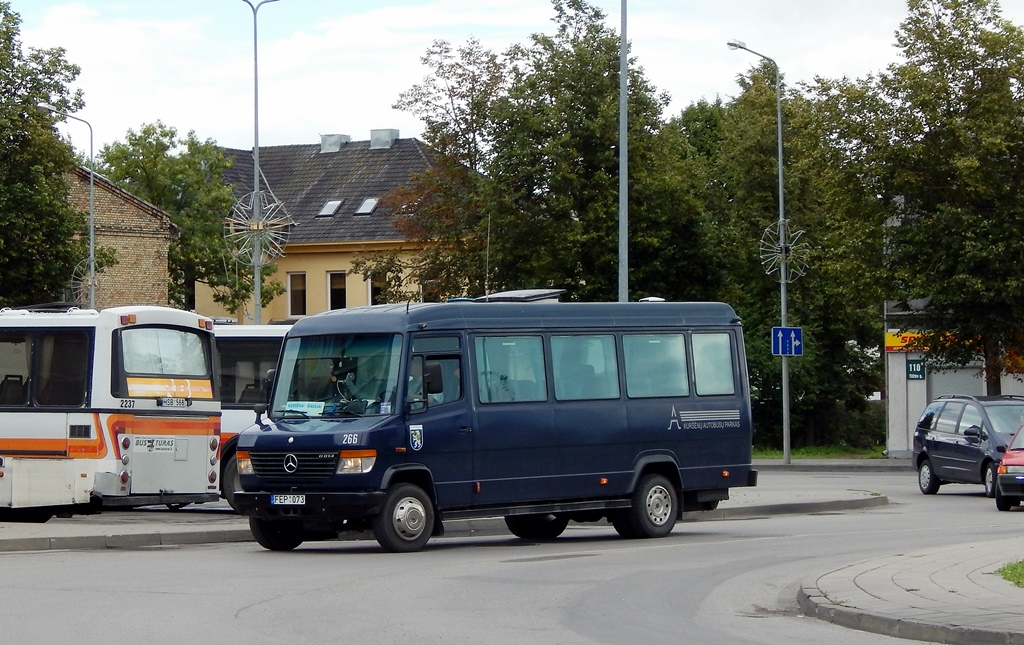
{"points": [[304, 179]]}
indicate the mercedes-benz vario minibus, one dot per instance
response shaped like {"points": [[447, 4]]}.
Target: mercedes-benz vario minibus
{"points": [[397, 418]]}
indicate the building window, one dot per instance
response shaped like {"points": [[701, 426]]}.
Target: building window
{"points": [[376, 289], [296, 294], [336, 290]]}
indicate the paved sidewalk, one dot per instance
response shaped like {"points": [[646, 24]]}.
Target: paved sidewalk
{"points": [[944, 595]]}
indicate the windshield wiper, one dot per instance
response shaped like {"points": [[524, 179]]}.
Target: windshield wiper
{"points": [[298, 413]]}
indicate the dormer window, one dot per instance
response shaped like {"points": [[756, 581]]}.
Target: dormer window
{"points": [[367, 206], [330, 208]]}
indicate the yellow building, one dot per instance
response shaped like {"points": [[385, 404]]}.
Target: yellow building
{"points": [[332, 193]]}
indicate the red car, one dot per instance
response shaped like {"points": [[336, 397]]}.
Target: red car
{"points": [[1010, 475]]}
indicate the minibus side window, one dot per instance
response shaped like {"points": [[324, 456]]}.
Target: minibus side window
{"points": [[584, 367], [712, 364], [655, 365], [510, 368]]}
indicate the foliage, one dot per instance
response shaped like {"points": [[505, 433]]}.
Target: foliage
{"points": [[1013, 572], [184, 176], [524, 191], [950, 173], [41, 236]]}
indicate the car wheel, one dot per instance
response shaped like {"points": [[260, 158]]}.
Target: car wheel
{"points": [[926, 478], [405, 521], [653, 511], [990, 480], [277, 535], [536, 527], [1003, 503]]}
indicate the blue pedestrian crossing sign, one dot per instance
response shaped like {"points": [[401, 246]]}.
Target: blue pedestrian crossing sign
{"points": [[787, 341]]}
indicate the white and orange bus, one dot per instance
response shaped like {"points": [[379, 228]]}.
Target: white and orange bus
{"points": [[245, 354], [105, 409]]}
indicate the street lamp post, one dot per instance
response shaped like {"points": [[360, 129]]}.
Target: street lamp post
{"points": [[257, 197], [783, 242], [92, 211]]}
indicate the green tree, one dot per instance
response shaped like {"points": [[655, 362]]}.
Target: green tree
{"points": [[41, 236], [525, 188], [441, 209], [832, 302], [184, 176], [951, 175]]}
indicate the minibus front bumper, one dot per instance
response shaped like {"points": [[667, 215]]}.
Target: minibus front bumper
{"points": [[309, 505]]}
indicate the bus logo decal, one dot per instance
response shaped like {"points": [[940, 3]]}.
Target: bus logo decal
{"points": [[704, 419], [416, 437]]}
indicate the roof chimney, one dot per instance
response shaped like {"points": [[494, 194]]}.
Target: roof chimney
{"points": [[333, 142], [382, 139]]}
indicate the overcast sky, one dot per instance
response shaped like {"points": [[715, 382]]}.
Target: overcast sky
{"points": [[337, 66]]}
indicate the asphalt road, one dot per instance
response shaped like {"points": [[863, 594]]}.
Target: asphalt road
{"points": [[711, 582]]}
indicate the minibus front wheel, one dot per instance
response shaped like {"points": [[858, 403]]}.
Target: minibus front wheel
{"points": [[406, 519], [277, 535]]}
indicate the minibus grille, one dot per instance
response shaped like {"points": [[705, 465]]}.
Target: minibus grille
{"points": [[294, 467]]}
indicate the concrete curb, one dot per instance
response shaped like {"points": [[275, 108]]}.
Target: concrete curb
{"points": [[456, 528], [816, 605]]}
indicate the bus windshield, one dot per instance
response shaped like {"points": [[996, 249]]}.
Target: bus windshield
{"points": [[164, 351], [338, 375]]}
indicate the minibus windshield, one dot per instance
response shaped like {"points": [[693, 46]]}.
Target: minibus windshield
{"points": [[341, 375]]}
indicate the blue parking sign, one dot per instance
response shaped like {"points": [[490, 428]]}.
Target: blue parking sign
{"points": [[787, 341]]}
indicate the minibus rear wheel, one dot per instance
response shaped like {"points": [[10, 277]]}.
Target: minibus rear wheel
{"points": [[653, 509]]}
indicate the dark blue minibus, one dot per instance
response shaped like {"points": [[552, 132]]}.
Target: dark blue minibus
{"points": [[395, 418]]}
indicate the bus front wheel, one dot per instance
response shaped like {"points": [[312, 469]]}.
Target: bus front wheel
{"points": [[277, 536], [653, 510]]}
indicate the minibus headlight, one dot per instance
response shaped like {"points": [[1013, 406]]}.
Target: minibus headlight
{"points": [[243, 463], [354, 462]]}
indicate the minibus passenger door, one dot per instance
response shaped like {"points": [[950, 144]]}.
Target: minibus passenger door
{"points": [[439, 424]]}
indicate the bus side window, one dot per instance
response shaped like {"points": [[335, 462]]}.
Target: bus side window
{"points": [[655, 365], [712, 364], [63, 369], [14, 364]]}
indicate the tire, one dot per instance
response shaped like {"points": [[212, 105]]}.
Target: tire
{"points": [[989, 480], [653, 511], [926, 479], [406, 520], [536, 527], [1003, 503], [230, 482], [277, 535]]}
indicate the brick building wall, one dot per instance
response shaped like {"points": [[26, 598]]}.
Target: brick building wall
{"points": [[136, 231]]}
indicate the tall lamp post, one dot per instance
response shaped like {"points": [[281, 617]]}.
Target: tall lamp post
{"points": [[783, 241], [257, 197], [46, 107]]}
